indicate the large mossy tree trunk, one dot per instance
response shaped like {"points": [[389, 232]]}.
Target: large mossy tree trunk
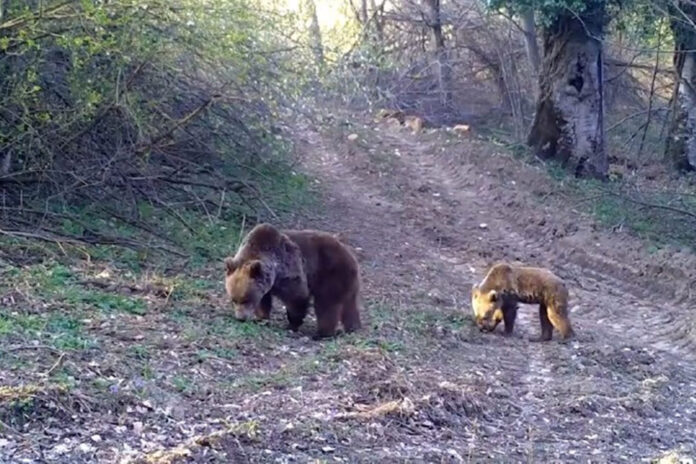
{"points": [[569, 120], [680, 149]]}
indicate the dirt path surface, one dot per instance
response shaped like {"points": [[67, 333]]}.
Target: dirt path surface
{"points": [[429, 214], [176, 379]]}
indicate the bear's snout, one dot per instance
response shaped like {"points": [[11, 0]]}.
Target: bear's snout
{"points": [[244, 313], [487, 324]]}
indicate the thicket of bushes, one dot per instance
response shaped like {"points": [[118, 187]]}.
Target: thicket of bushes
{"points": [[122, 119], [152, 124]]}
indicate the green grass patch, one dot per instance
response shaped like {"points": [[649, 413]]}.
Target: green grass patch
{"points": [[60, 330], [617, 204], [648, 214], [58, 285]]}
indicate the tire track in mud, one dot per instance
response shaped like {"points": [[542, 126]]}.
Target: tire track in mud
{"points": [[632, 316], [433, 200], [649, 312], [628, 314]]}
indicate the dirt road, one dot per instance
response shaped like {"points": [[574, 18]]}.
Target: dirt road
{"points": [[430, 212]]}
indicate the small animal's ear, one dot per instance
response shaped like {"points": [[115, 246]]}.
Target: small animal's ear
{"points": [[255, 269], [493, 296], [230, 265]]}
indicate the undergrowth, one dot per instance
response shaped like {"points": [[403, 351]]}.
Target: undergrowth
{"points": [[658, 215]]}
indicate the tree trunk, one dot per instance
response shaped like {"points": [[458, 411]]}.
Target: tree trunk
{"points": [[315, 33], [680, 149], [4, 5], [495, 66], [530, 40], [569, 121], [441, 65], [378, 12]]}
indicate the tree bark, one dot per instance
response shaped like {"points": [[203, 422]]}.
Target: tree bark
{"points": [[315, 41], [494, 65], [530, 39], [569, 121], [441, 65], [680, 148], [4, 6], [378, 12]]}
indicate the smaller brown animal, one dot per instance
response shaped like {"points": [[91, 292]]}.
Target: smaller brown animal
{"points": [[414, 123], [295, 266], [461, 128], [496, 299], [389, 114]]}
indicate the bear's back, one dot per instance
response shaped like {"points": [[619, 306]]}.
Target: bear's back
{"points": [[325, 256]]}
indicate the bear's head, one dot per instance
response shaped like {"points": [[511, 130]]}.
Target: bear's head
{"points": [[487, 306], [246, 283]]}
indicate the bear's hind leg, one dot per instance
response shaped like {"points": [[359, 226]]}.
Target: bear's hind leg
{"points": [[546, 326], [350, 316], [560, 322], [328, 315], [297, 310], [263, 312]]}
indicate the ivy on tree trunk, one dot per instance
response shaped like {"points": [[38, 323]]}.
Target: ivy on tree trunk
{"points": [[569, 121], [680, 150]]}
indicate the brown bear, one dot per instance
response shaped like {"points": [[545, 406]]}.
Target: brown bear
{"points": [[496, 298], [295, 266]]}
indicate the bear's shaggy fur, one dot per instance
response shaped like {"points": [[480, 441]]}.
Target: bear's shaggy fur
{"points": [[496, 298], [295, 266]]}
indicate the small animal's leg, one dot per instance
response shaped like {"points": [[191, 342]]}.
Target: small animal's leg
{"points": [[560, 322], [509, 315], [546, 327], [263, 312]]}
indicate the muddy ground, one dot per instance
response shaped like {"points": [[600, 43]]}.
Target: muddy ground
{"points": [[426, 213]]}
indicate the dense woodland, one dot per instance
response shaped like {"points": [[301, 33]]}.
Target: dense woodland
{"points": [[111, 108]]}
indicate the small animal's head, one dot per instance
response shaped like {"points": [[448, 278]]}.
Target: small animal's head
{"points": [[246, 283], [487, 306]]}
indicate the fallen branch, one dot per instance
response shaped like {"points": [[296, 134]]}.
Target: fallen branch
{"points": [[56, 365], [11, 349], [653, 205], [3, 425], [94, 239], [403, 407]]}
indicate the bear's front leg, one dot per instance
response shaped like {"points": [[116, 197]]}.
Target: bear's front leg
{"points": [[509, 315], [297, 310], [546, 327], [263, 310], [327, 319]]}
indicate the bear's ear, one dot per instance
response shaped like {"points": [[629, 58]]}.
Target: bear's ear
{"points": [[230, 265], [255, 269], [289, 247], [493, 296]]}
